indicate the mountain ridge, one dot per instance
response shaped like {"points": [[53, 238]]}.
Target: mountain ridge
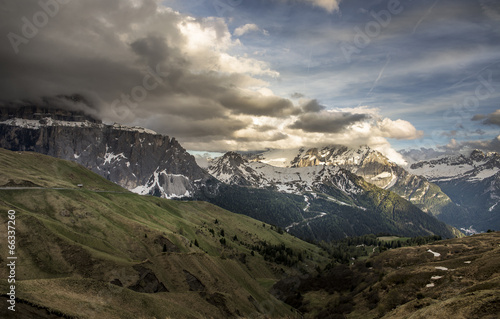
{"points": [[375, 168], [149, 163]]}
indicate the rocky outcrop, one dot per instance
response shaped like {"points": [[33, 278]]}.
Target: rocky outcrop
{"points": [[194, 283], [148, 282]]}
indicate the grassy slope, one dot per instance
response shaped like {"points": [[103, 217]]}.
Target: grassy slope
{"points": [[393, 284], [71, 243]]}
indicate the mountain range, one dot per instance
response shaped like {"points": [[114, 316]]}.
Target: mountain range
{"points": [[375, 168], [336, 203], [473, 182], [324, 193]]}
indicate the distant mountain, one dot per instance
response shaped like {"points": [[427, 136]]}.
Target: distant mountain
{"points": [[319, 202], [475, 167], [375, 168], [135, 158], [472, 181]]}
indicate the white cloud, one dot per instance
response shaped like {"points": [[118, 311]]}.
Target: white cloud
{"points": [[245, 29], [398, 129], [328, 5]]}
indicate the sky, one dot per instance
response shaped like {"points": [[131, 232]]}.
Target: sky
{"points": [[222, 75]]}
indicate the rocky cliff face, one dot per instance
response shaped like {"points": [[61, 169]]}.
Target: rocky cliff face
{"points": [[137, 159]]}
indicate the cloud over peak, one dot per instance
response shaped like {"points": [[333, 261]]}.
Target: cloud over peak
{"points": [[327, 121]]}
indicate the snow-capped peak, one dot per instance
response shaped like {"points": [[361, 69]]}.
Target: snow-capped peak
{"points": [[233, 169]]}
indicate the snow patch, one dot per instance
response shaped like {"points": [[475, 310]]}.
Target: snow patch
{"points": [[469, 231], [434, 253], [111, 157], [381, 176]]}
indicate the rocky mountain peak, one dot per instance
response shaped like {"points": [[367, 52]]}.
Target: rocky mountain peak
{"points": [[477, 155], [233, 169], [233, 159]]}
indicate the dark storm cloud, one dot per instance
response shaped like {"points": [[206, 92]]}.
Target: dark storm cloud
{"points": [[78, 50], [327, 122], [198, 130], [133, 63], [153, 50], [492, 119], [312, 106], [255, 104]]}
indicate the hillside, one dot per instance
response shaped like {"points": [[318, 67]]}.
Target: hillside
{"points": [[456, 278], [101, 251]]}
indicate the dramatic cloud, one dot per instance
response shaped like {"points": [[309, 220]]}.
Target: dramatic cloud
{"points": [[134, 60], [326, 122], [312, 106], [141, 63], [454, 146]]}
